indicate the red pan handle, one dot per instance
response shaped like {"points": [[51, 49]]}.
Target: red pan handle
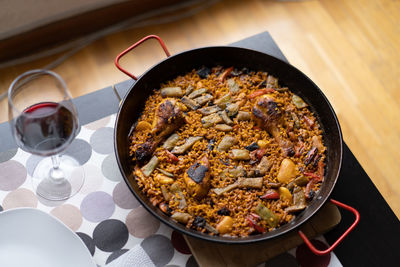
{"points": [[132, 47], [340, 239]]}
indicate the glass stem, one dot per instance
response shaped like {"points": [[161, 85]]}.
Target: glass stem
{"points": [[56, 174]]}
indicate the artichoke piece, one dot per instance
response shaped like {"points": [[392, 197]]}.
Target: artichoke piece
{"points": [[150, 166], [226, 143], [223, 101], [187, 145], [171, 141], [223, 127], [233, 86], [298, 101]]}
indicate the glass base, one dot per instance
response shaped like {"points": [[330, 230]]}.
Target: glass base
{"points": [[66, 183]]}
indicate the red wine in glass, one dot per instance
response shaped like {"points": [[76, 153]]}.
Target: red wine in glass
{"points": [[44, 122], [45, 128]]}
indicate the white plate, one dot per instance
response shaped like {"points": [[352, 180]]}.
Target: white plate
{"points": [[31, 237]]}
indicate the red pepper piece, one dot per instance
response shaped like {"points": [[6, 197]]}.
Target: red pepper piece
{"points": [[171, 157], [309, 187], [256, 217], [260, 92], [271, 194], [310, 122], [314, 176], [320, 169], [225, 73], [253, 224], [260, 153]]}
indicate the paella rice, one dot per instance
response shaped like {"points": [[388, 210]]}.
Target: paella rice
{"points": [[228, 151]]}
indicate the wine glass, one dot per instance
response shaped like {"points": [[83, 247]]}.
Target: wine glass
{"points": [[44, 121]]}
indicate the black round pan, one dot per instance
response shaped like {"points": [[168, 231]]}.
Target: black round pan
{"points": [[179, 64]]}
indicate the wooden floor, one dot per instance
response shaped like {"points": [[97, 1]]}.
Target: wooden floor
{"points": [[351, 49]]}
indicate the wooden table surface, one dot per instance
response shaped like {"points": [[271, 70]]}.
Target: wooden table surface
{"points": [[350, 49]]}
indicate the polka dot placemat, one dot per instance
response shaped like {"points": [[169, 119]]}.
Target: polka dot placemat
{"points": [[104, 214]]}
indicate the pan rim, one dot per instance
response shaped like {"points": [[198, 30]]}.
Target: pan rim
{"points": [[284, 229]]}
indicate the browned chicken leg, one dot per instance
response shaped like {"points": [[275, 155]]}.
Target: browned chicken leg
{"points": [[268, 116], [168, 117]]}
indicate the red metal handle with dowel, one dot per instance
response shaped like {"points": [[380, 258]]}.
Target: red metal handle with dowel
{"points": [[132, 47], [340, 239]]}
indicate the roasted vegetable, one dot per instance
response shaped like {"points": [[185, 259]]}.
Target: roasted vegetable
{"points": [[226, 143], [223, 101], [209, 110], [181, 217], [232, 109], [243, 116], [201, 100], [267, 215], [225, 225], [190, 103], [301, 181], [241, 183], [287, 171], [171, 92], [150, 166], [285, 194], [225, 117], [211, 120], [270, 194], [225, 74], [163, 179], [240, 154], [298, 101], [176, 190], [188, 144], [264, 166], [252, 223], [233, 86], [171, 141], [223, 127], [197, 93]]}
